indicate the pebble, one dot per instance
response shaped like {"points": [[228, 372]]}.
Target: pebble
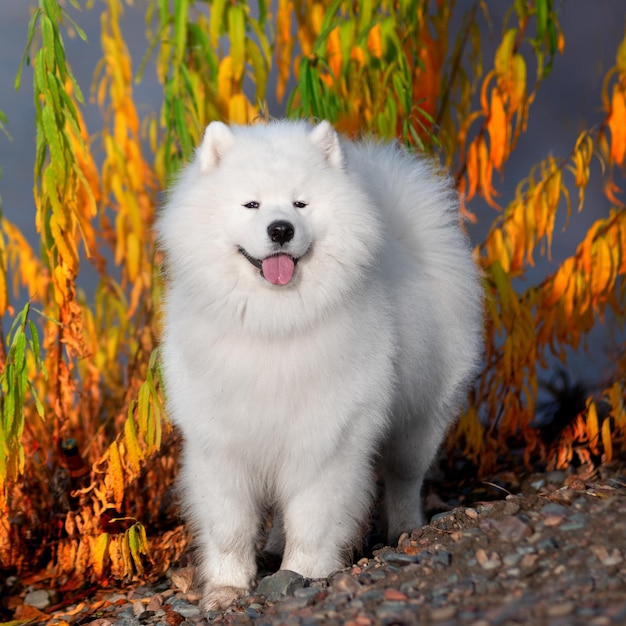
{"points": [[493, 563], [40, 599], [552, 508], [184, 608], [508, 528], [345, 582], [440, 614], [400, 558], [284, 582], [442, 557], [138, 608]]}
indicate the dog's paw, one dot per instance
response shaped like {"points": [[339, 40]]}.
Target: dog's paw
{"points": [[220, 598]]}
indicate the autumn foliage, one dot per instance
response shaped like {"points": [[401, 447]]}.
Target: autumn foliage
{"points": [[87, 456]]}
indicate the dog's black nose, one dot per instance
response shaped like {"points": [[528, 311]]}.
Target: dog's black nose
{"points": [[281, 232]]}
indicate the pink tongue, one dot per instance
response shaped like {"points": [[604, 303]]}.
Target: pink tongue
{"points": [[278, 269]]}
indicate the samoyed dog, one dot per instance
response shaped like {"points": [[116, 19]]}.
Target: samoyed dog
{"points": [[323, 317]]}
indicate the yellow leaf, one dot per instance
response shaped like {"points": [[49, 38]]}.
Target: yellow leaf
{"points": [[504, 53], [518, 86], [116, 475], [134, 454], [497, 250], [238, 109], [133, 255], [99, 553], [602, 269]]}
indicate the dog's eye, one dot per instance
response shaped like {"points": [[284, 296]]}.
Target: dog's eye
{"points": [[299, 205], [252, 205]]}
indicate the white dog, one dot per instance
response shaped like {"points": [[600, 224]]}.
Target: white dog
{"points": [[324, 313]]}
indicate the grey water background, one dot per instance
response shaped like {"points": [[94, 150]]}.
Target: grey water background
{"points": [[568, 102]]}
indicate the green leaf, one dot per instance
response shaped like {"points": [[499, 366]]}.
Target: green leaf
{"points": [[48, 35], [542, 17], [29, 41], [181, 9], [55, 144]]}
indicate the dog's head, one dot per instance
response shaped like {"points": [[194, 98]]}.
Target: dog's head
{"points": [[270, 209]]}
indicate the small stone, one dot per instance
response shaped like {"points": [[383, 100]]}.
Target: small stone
{"points": [[443, 557], [184, 608], [399, 558], [442, 613], [508, 528], [512, 559], [403, 538], [444, 516], [572, 525], [306, 592], [394, 595], [284, 582], [547, 544], [115, 598], [128, 621], [138, 608], [156, 602], [552, 508], [40, 599], [471, 513], [560, 610], [488, 561], [556, 477], [510, 507], [345, 582]]}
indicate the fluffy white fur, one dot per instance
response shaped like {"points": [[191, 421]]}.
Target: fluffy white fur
{"points": [[287, 394]]}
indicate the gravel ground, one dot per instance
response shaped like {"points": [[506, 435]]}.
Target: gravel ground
{"points": [[553, 552]]}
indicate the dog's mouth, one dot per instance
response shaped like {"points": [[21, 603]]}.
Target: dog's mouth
{"points": [[277, 269]]}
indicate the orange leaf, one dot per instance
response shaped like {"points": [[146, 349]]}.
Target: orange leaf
{"points": [[473, 173], [498, 130], [374, 41], [592, 422], [224, 79], [617, 125], [334, 52], [560, 282]]}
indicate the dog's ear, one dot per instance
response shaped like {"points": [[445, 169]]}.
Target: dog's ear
{"points": [[326, 139], [218, 138]]}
